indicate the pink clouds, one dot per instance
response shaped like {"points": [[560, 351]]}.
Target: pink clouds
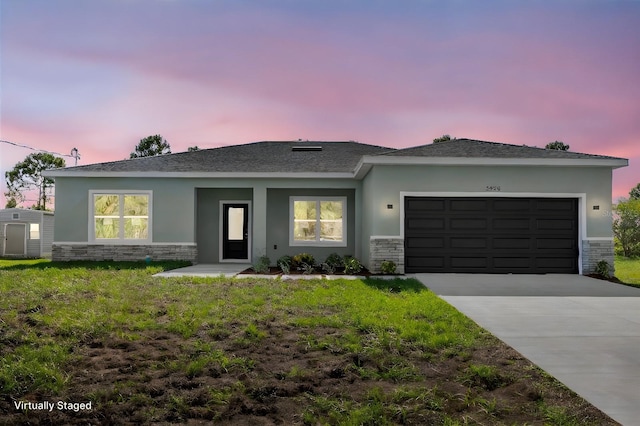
{"points": [[102, 75]]}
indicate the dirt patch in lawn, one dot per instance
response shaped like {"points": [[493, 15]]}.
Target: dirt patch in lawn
{"points": [[287, 382]]}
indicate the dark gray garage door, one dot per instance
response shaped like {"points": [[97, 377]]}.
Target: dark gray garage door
{"points": [[491, 235]]}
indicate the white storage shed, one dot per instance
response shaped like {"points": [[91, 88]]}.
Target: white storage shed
{"points": [[26, 233]]}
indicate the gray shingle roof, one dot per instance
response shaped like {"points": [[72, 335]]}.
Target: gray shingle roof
{"points": [[481, 149], [257, 157], [335, 157]]}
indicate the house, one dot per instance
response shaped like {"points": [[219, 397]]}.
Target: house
{"points": [[26, 233], [456, 206]]}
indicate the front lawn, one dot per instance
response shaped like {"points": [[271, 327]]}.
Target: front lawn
{"points": [[142, 349], [628, 270]]}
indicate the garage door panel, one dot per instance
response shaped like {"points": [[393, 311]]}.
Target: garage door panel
{"points": [[425, 242], [468, 205], [426, 204], [511, 205], [474, 243], [554, 205], [466, 262], [552, 262], [491, 235], [426, 262], [511, 224], [556, 244], [468, 223], [512, 243], [509, 263], [426, 224], [555, 224]]}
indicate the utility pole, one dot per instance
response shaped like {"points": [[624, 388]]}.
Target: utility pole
{"points": [[75, 154]]}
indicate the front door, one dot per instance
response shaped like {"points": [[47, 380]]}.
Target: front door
{"points": [[235, 231], [15, 239]]}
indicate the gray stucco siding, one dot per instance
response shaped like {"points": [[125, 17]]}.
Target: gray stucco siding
{"points": [[208, 218], [172, 212], [279, 224], [384, 184]]}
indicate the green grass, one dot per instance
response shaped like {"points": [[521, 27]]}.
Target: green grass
{"points": [[384, 333], [628, 270]]}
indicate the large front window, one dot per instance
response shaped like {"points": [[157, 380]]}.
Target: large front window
{"points": [[318, 221], [121, 216]]}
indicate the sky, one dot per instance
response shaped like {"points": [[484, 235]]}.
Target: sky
{"points": [[100, 75]]}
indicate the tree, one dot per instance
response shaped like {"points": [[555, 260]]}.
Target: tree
{"points": [[150, 146], [634, 194], [11, 203], [442, 138], [557, 145], [27, 175], [193, 148], [626, 227]]}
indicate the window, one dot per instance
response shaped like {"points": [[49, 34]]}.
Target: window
{"points": [[120, 217], [318, 221], [34, 231]]}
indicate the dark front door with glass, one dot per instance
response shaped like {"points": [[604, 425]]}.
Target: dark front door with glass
{"points": [[235, 231]]}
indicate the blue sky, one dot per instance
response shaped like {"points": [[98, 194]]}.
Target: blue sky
{"points": [[100, 75]]}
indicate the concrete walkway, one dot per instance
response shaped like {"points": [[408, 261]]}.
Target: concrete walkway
{"points": [[584, 332], [206, 270]]}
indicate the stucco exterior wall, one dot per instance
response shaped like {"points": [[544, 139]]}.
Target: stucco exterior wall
{"points": [[278, 220], [384, 184], [173, 207], [208, 219]]}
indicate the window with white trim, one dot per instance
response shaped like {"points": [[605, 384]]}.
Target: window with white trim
{"points": [[318, 221], [34, 231], [118, 216]]}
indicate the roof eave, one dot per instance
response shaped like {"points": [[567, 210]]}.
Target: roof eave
{"points": [[369, 161], [195, 175]]}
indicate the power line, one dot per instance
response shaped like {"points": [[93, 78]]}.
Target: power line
{"points": [[74, 151]]}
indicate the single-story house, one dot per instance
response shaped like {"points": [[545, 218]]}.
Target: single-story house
{"points": [[26, 233], [456, 206]]}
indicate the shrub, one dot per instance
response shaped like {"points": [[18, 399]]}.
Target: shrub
{"points": [[299, 260], [261, 266], [284, 263], [307, 268], [328, 268], [334, 260], [388, 267], [603, 268], [352, 265]]}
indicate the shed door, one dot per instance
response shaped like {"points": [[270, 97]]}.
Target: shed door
{"points": [[15, 239], [491, 235]]}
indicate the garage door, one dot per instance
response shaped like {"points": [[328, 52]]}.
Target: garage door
{"points": [[491, 235]]}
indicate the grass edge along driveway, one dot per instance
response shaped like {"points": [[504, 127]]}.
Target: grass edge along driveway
{"points": [[144, 349]]}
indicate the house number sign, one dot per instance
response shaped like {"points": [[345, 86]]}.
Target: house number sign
{"points": [[492, 188]]}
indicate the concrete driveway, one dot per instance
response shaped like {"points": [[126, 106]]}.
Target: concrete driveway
{"points": [[584, 332]]}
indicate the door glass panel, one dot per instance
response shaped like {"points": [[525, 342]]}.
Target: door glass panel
{"points": [[235, 230]]}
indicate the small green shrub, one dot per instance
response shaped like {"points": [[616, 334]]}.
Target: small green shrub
{"points": [[307, 268], [603, 268], [261, 266], [352, 265], [301, 259], [334, 260], [328, 268], [388, 267], [284, 263]]}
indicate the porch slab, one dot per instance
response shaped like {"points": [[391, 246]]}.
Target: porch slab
{"points": [[207, 270]]}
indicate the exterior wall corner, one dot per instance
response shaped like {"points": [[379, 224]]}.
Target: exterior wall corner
{"points": [[386, 248]]}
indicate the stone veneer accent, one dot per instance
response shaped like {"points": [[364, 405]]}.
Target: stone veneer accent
{"points": [[595, 251], [386, 248], [127, 252]]}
